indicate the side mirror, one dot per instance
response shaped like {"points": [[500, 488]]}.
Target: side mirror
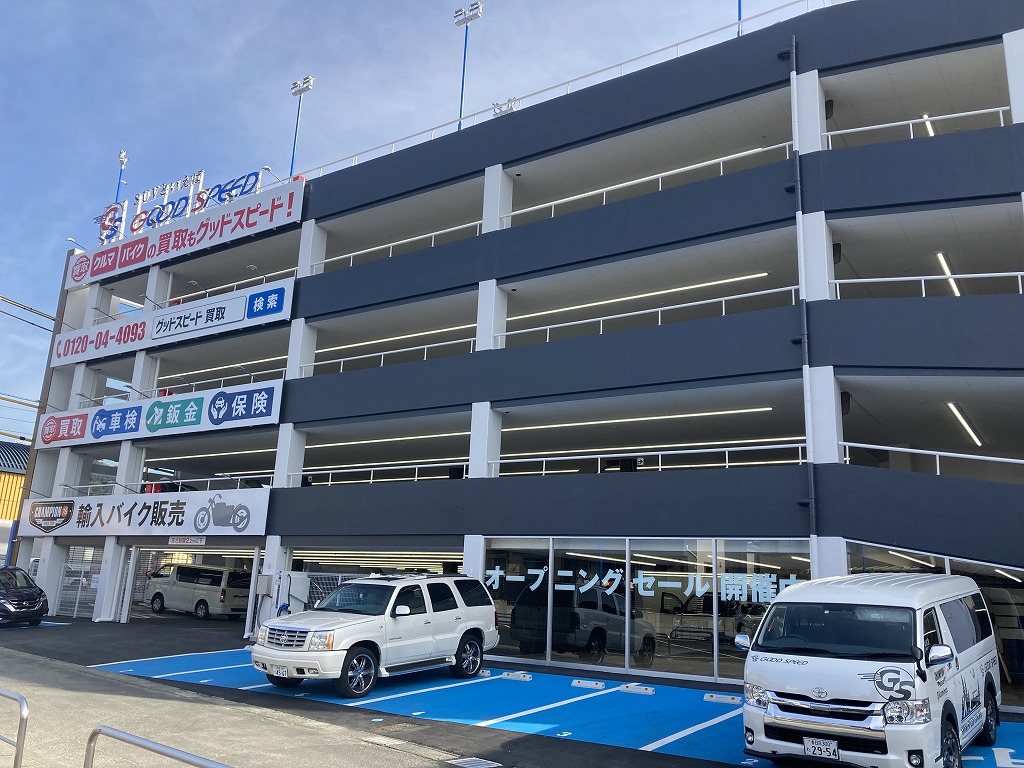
{"points": [[742, 641], [402, 610], [939, 654], [638, 614]]}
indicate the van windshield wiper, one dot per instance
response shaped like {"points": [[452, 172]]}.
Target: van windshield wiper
{"points": [[807, 649]]}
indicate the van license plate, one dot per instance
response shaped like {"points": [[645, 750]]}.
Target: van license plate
{"points": [[283, 672], [821, 748]]}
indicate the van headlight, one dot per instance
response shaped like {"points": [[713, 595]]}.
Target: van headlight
{"points": [[321, 641], [756, 695], [915, 712], [261, 636]]}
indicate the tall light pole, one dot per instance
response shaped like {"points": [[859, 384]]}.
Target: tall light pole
{"points": [[299, 87], [463, 18], [122, 156]]}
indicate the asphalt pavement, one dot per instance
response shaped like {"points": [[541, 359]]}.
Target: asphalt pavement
{"points": [[50, 666]]}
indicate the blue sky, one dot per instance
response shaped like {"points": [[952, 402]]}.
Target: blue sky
{"points": [[191, 85]]}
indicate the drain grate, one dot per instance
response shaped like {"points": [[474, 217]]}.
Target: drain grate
{"points": [[474, 762]]}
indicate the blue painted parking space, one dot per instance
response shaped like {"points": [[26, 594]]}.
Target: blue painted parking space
{"points": [[667, 719], [12, 627]]}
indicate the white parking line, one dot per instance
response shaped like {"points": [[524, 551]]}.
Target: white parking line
{"points": [[693, 729], [196, 671], [420, 690], [254, 687], [525, 712], [160, 658]]}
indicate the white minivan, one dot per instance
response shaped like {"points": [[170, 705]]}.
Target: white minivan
{"points": [[872, 670], [205, 590]]}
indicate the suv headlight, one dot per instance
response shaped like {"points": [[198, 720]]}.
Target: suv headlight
{"points": [[261, 636], [756, 695], [915, 712], [321, 641]]}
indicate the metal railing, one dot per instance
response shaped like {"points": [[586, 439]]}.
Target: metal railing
{"points": [[924, 280], [792, 290], [728, 459], [317, 267], [720, 162], [19, 742], [166, 390], [217, 483], [920, 121], [150, 746], [310, 368], [683, 47], [380, 474], [937, 456]]}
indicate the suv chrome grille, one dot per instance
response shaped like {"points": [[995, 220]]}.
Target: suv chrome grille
{"points": [[286, 638]]}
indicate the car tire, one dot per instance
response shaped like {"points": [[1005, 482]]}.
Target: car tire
{"points": [[949, 746], [284, 682], [235, 616], [202, 610], [157, 603], [593, 652], [37, 622], [358, 673], [469, 657], [645, 655], [987, 736], [530, 647]]}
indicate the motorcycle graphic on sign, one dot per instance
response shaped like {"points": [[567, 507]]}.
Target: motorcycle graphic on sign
{"points": [[222, 515]]}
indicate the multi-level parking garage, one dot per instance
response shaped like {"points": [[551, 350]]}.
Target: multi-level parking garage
{"points": [[639, 356]]}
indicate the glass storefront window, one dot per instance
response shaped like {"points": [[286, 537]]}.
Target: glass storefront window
{"points": [[673, 602], [751, 575], [516, 576], [866, 558], [1003, 589], [588, 614]]}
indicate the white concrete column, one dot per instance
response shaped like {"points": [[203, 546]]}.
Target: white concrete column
{"points": [[276, 562], [130, 462], [823, 415], [1013, 53], [99, 303], [158, 289], [497, 199], [83, 387], [144, 374], [484, 441], [312, 249], [51, 570], [816, 262], [474, 549], [301, 349], [75, 309], [828, 557], [68, 471], [491, 314], [111, 571], [810, 113], [291, 451]]}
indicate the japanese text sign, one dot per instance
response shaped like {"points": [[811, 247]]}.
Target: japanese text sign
{"points": [[245, 405], [213, 226], [178, 514], [241, 309]]}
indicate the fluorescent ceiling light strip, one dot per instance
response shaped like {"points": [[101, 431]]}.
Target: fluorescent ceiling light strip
{"points": [[637, 419], [911, 559], [637, 296], [963, 423], [747, 562], [378, 440], [596, 556], [233, 366], [1007, 575], [928, 125], [801, 559], [946, 271], [402, 337], [653, 447], [211, 455]]}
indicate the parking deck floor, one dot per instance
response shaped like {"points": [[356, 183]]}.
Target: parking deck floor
{"points": [[567, 719]]}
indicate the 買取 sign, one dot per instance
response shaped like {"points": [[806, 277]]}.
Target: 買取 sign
{"points": [[186, 515], [250, 307], [245, 405], [212, 226]]}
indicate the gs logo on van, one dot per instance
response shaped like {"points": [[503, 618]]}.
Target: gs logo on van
{"points": [[893, 683]]}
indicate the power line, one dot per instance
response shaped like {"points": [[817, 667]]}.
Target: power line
{"points": [[29, 322]]}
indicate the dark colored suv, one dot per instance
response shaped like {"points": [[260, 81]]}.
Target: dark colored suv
{"points": [[20, 598]]}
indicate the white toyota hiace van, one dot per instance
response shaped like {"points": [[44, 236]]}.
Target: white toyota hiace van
{"points": [[205, 590], [894, 670]]}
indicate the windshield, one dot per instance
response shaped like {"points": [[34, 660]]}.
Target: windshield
{"points": [[14, 578], [356, 597], [838, 630]]}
